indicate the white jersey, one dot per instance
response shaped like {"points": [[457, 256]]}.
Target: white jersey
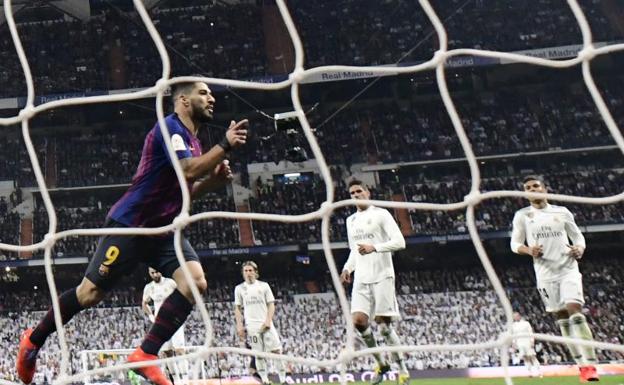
{"points": [[549, 227], [158, 292], [254, 298], [522, 326], [374, 226]]}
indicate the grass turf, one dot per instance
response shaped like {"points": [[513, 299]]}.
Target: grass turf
{"points": [[604, 380]]}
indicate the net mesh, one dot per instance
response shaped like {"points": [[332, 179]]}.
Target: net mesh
{"points": [[324, 212]]}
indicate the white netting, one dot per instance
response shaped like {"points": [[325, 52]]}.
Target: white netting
{"points": [[201, 368], [298, 75]]}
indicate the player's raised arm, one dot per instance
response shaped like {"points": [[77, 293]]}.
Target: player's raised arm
{"points": [[204, 165]]}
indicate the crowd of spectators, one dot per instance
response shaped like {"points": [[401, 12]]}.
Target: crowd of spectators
{"points": [[75, 212], [492, 215], [391, 31], [507, 121], [441, 306], [294, 197], [113, 49]]}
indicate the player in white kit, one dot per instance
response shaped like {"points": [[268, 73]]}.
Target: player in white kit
{"points": [[544, 231], [157, 291], [254, 307], [373, 236], [525, 345]]}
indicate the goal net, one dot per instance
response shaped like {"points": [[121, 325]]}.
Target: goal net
{"points": [[97, 363], [181, 370]]}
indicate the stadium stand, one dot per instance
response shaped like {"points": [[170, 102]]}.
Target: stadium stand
{"points": [[438, 306]]}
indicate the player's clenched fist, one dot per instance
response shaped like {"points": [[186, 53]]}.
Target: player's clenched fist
{"points": [[536, 251], [576, 251], [345, 276], [223, 170]]}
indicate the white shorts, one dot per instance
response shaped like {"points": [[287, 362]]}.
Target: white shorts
{"points": [[525, 350], [375, 299], [177, 341], [269, 341], [568, 289]]}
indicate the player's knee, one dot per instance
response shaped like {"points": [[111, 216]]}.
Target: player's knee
{"points": [[573, 308], [360, 323], [562, 314], [88, 294], [202, 284], [185, 288]]}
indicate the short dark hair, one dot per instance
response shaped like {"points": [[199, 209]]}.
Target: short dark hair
{"points": [[532, 177], [357, 182], [181, 88]]}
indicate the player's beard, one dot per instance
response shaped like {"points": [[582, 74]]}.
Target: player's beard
{"points": [[201, 114]]}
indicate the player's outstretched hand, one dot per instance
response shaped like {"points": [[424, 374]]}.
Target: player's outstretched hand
{"points": [[345, 277], [536, 251], [236, 134], [575, 252]]}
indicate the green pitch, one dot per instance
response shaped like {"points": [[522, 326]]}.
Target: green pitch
{"points": [[604, 380]]}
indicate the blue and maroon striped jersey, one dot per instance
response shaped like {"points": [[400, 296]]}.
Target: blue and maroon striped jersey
{"points": [[154, 198]]}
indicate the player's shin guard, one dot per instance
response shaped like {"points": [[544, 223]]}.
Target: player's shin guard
{"points": [[369, 340], [261, 367], [392, 339], [69, 306], [580, 329], [564, 326]]}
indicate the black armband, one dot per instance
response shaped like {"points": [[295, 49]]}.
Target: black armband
{"points": [[225, 144]]}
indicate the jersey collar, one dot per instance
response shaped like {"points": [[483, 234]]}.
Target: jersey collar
{"points": [[536, 209]]}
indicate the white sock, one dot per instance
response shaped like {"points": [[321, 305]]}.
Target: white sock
{"points": [[261, 367], [369, 339], [536, 364], [281, 370], [564, 326], [184, 369], [527, 365], [392, 339], [580, 329]]}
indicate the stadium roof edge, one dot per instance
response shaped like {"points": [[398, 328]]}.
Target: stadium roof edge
{"points": [[78, 9]]}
